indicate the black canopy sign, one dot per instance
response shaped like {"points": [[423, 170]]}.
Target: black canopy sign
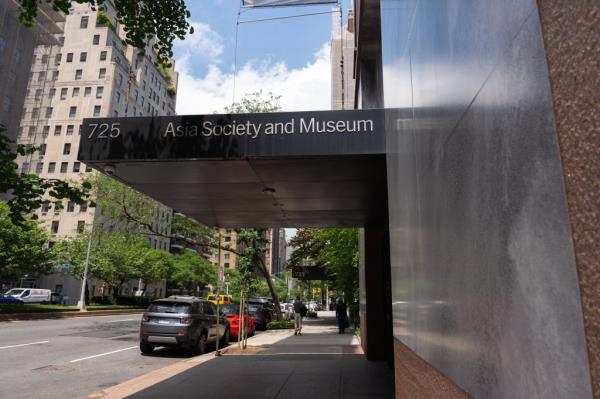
{"points": [[310, 273]]}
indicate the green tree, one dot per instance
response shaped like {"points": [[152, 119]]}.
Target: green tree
{"points": [[153, 266], [27, 192], [257, 101], [337, 250], [22, 247], [160, 22], [191, 272]]}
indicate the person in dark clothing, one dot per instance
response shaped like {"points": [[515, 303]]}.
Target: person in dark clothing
{"points": [[299, 313], [341, 314]]}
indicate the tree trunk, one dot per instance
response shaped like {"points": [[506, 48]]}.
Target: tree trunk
{"points": [[274, 295]]}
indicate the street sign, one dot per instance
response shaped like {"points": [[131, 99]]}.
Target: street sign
{"points": [[310, 273]]}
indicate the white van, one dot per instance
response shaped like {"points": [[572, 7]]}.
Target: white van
{"points": [[30, 295]]}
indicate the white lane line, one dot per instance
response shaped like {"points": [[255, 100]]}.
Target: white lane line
{"points": [[103, 354], [32, 343], [116, 321]]}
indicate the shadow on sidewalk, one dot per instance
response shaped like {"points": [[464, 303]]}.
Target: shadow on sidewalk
{"points": [[319, 364]]}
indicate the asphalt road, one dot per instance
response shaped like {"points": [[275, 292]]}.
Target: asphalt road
{"points": [[73, 357]]}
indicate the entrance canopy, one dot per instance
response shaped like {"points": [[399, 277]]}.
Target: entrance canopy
{"points": [[300, 169]]}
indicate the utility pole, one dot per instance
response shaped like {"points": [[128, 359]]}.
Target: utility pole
{"points": [[81, 303]]}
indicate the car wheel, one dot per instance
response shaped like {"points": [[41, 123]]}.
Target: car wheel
{"points": [[146, 348], [200, 347]]}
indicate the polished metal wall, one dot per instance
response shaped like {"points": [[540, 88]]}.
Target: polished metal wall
{"points": [[484, 285]]}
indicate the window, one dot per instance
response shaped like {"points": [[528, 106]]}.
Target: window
{"points": [[63, 93], [46, 208], [88, 168], [120, 80], [49, 111], [83, 207], [43, 149], [63, 167], [70, 206], [115, 114], [76, 92], [102, 73], [118, 97], [31, 131], [76, 166], [45, 59], [96, 39], [6, 104], [103, 56], [70, 130], [78, 74], [25, 168], [226, 265], [39, 168], [83, 24], [83, 57], [45, 131], [51, 167], [61, 40], [72, 112], [52, 93], [87, 92], [55, 75], [99, 91], [97, 110], [17, 56], [57, 130], [69, 57], [226, 256], [67, 148], [57, 59], [80, 226], [41, 76], [38, 94], [54, 228]]}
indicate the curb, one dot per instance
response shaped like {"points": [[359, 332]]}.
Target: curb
{"points": [[66, 314]]}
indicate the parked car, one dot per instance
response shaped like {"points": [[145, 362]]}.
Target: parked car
{"points": [[262, 310], [56, 298], [186, 322], [287, 311], [221, 299], [9, 299], [232, 312], [30, 295]]}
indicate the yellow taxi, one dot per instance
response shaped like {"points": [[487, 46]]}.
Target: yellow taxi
{"points": [[220, 299]]}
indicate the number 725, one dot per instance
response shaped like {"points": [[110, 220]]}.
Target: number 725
{"points": [[105, 130]]}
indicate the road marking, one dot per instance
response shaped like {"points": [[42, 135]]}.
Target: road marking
{"points": [[103, 354], [16, 346], [116, 321]]}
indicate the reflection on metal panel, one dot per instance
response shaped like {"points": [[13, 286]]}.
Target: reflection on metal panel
{"points": [[278, 3]]}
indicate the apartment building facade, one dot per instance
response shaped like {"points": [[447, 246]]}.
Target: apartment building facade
{"points": [[17, 44], [89, 73]]}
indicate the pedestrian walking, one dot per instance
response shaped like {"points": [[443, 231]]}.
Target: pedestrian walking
{"points": [[341, 315], [299, 313]]}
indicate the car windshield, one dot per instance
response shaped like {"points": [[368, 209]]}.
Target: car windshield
{"points": [[231, 309], [169, 307], [254, 308], [15, 292]]}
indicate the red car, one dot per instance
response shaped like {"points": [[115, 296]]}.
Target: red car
{"points": [[232, 312]]}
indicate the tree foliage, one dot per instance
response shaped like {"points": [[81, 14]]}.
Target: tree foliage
{"points": [[28, 192], [255, 102], [160, 22], [337, 250], [190, 272], [22, 247]]}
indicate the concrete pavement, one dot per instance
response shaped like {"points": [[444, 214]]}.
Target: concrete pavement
{"points": [[319, 364]]}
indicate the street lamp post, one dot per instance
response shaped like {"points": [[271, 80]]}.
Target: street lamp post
{"points": [[81, 303]]}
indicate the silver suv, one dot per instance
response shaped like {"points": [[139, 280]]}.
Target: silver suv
{"points": [[187, 322]]}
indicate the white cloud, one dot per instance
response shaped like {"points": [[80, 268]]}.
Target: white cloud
{"points": [[301, 89], [204, 42]]}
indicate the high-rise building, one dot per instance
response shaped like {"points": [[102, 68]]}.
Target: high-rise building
{"points": [[223, 258], [342, 62], [17, 44], [90, 73], [275, 256]]}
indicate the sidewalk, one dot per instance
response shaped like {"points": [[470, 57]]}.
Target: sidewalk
{"points": [[319, 364]]}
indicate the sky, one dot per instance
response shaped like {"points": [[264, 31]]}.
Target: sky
{"points": [[288, 57]]}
